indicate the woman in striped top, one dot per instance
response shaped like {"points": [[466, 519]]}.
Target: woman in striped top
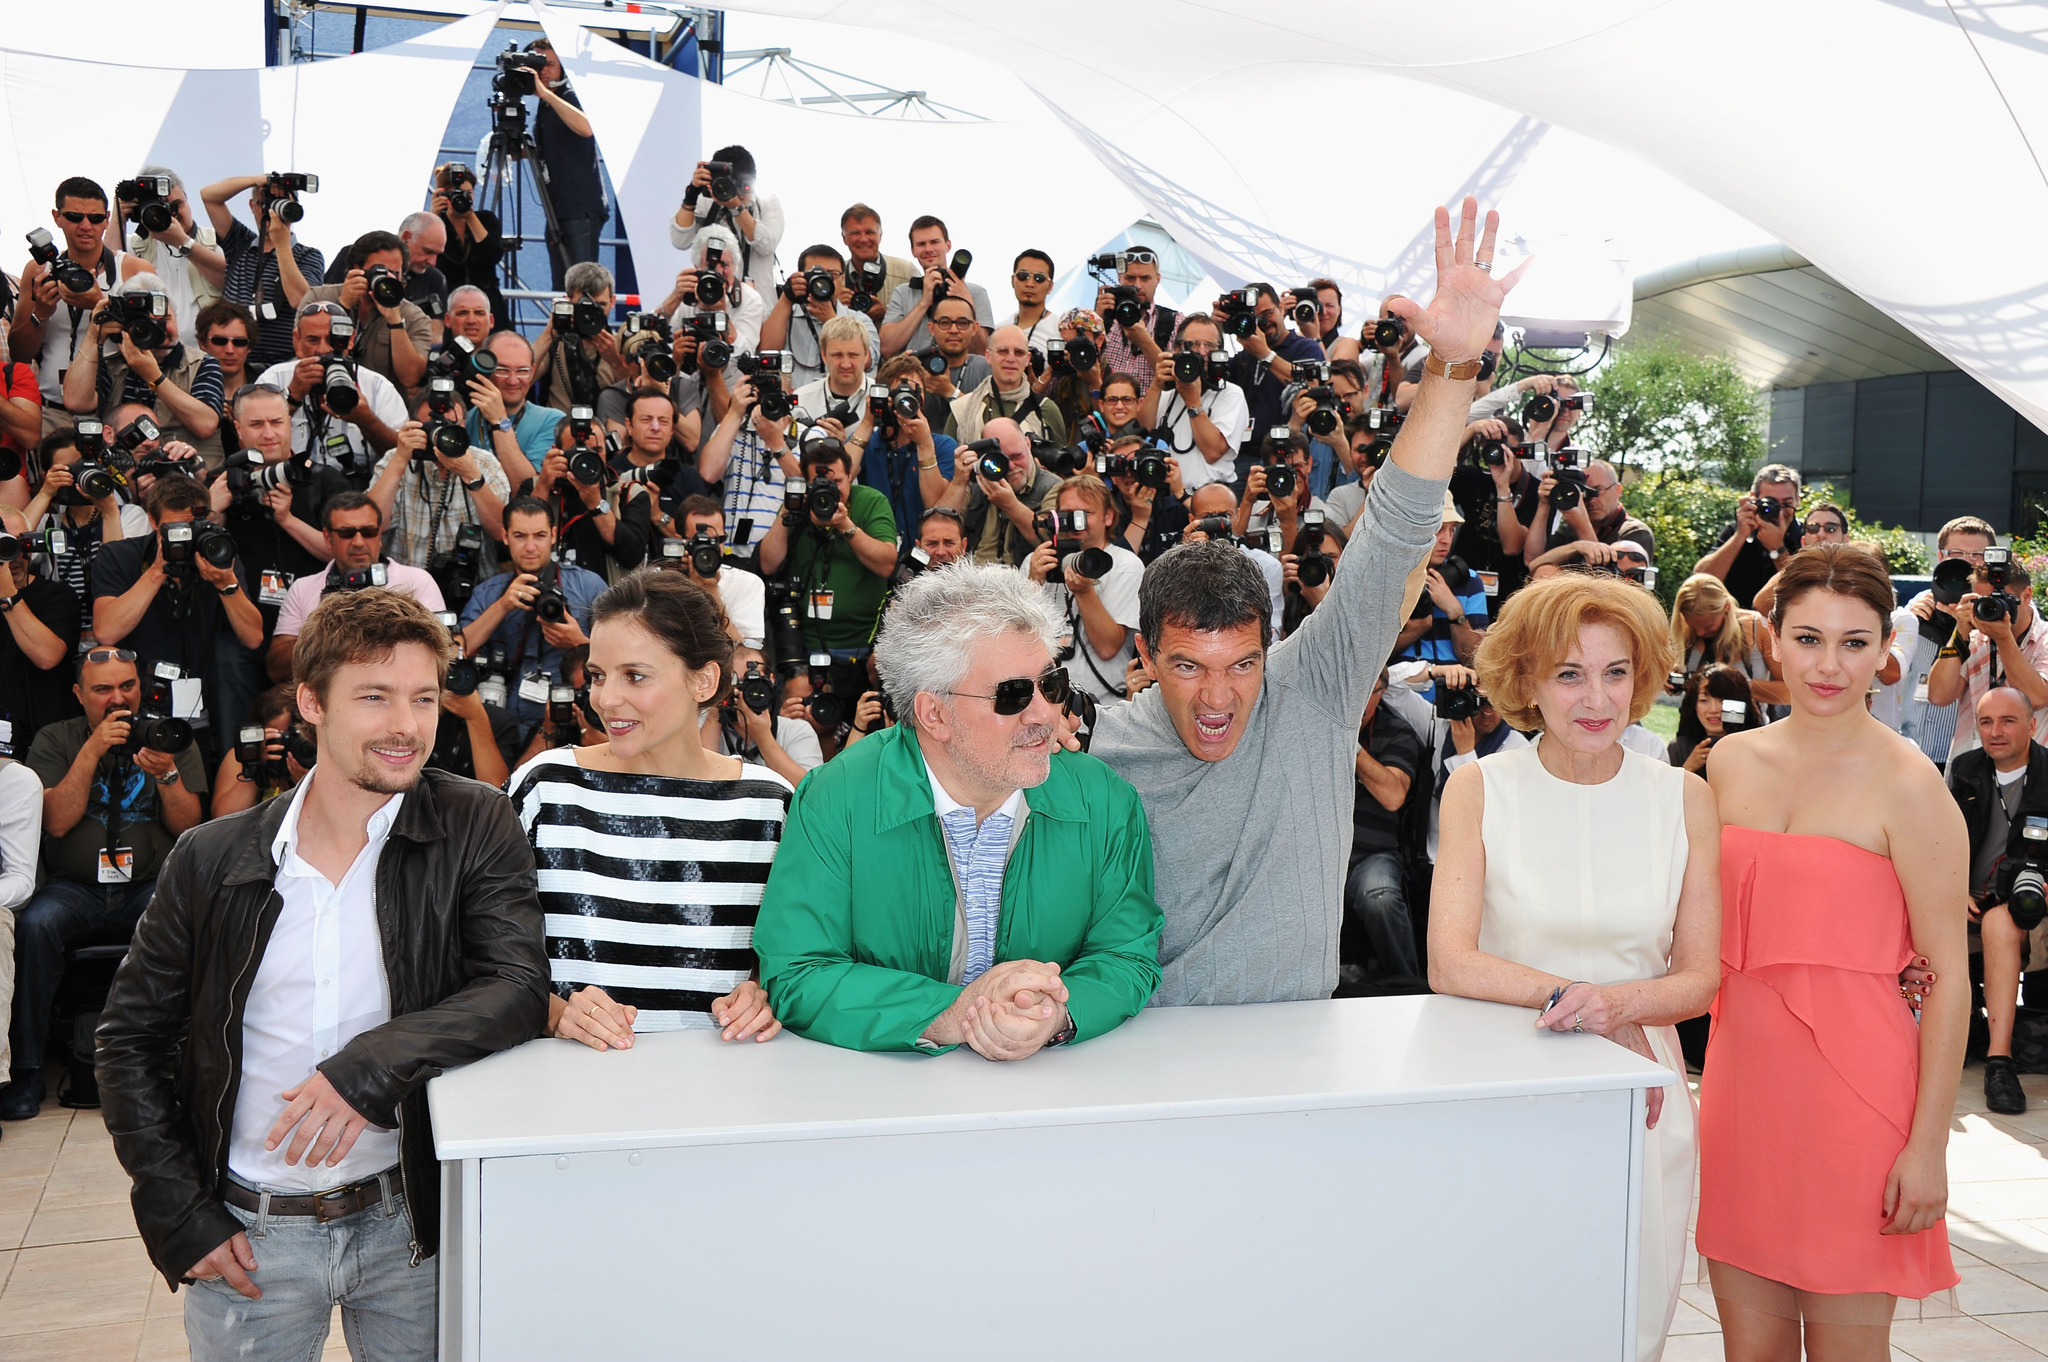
{"points": [[652, 851]]}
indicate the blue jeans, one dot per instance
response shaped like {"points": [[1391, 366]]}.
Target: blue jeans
{"points": [[1373, 893], [63, 914], [304, 1268]]}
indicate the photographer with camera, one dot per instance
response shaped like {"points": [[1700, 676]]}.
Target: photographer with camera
{"points": [[392, 334], [874, 276], [1200, 414], [1149, 517], [568, 150], [268, 271], [748, 725], [1276, 494], [63, 286], [1000, 512], [898, 454], [657, 362], [1375, 881], [343, 415], [353, 535], [134, 354], [722, 194], [423, 237], [475, 241], [1450, 617], [225, 331], [531, 613], [1095, 581], [1006, 394], [433, 483], [700, 526], [1264, 364], [118, 790], [1594, 513], [1708, 626], [1135, 349], [169, 242], [1765, 532], [715, 285], [749, 454], [180, 597], [1999, 641], [253, 768], [41, 616], [576, 355], [944, 275], [2001, 785], [1920, 629], [521, 432], [1497, 496], [84, 521], [1317, 410], [840, 545], [476, 738], [808, 300], [601, 522], [950, 367], [1717, 700]]}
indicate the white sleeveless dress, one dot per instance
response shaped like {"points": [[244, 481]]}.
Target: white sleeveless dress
{"points": [[1583, 881]]}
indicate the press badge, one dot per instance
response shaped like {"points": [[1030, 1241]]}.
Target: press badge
{"points": [[821, 605], [1491, 581], [188, 698], [534, 686], [1920, 690], [117, 866], [272, 588], [268, 311]]}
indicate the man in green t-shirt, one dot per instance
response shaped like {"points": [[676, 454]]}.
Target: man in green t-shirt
{"points": [[839, 552], [109, 819]]}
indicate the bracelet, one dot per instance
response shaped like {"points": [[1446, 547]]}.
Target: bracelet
{"points": [[230, 589]]}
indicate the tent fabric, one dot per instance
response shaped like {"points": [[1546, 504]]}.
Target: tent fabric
{"points": [[1895, 143], [368, 125]]}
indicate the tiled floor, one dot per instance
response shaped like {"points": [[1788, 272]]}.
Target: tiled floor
{"points": [[74, 1282]]}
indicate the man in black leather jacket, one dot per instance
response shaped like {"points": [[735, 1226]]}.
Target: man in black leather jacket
{"points": [[252, 991], [2001, 787]]}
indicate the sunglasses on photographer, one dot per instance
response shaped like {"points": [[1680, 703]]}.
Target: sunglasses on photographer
{"points": [[1014, 695], [351, 531], [75, 218], [1032, 277]]}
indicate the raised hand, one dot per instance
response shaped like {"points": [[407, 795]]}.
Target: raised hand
{"points": [[1459, 320]]}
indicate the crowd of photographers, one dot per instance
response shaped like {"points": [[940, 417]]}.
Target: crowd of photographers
{"points": [[204, 429]]}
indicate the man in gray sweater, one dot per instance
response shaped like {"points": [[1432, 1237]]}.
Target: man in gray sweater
{"points": [[1245, 758]]}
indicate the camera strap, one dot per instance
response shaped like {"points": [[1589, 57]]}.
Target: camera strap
{"points": [[1086, 651]]}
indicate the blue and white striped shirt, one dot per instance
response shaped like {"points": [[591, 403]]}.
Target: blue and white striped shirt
{"points": [[980, 855]]}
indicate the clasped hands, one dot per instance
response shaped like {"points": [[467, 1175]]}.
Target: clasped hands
{"points": [[1010, 1012]]}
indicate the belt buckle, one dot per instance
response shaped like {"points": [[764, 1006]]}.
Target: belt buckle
{"points": [[324, 1200]]}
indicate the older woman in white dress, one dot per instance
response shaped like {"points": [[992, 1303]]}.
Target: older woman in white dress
{"points": [[1582, 880]]}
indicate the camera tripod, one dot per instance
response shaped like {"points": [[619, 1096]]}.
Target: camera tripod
{"points": [[508, 153]]}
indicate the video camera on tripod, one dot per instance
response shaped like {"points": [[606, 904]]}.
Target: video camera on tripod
{"points": [[518, 76]]}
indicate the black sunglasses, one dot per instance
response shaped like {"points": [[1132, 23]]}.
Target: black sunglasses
{"points": [[351, 531], [1014, 695], [94, 218], [239, 342], [1032, 277]]}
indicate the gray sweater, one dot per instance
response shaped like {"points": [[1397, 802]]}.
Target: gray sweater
{"points": [[1250, 852]]}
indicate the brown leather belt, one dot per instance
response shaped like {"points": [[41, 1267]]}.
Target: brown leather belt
{"points": [[335, 1204]]}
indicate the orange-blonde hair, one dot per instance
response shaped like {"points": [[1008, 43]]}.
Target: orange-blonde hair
{"points": [[1539, 627]]}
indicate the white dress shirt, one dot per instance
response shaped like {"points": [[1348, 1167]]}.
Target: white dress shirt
{"points": [[321, 984], [387, 404]]}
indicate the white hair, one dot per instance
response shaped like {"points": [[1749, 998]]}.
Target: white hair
{"points": [[719, 235], [932, 626], [417, 223], [465, 291], [144, 282], [177, 180]]}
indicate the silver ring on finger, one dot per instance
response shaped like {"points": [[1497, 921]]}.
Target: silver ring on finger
{"points": [[1578, 1024], [1484, 266]]}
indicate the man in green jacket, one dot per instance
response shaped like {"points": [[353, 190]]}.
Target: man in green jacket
{"points": [[959, 879]]}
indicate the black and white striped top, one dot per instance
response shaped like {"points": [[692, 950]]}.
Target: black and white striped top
{"points": [[650, 884]]}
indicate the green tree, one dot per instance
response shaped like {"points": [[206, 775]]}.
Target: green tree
{"points": [[1670, 412]]}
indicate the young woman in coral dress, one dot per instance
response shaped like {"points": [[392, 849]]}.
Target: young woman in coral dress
{"points": [[1824, 1110]]}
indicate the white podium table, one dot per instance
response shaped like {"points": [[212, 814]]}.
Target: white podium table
{"points": [[1388, 1177]]}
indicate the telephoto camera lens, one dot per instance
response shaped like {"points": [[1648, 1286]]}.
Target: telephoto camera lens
{"points": [[1083, 353], [961, 260], [1539, 408], [657, 363], [463, 676], [447, 439], [96, 484], [551, 605], [1280, 481], [387, 289], [823, 499], [906, 400], [338, 388], [710, 288], [1306, 308], [757, 692], [714, 354], [1322, 421], [1189, 367], [707, 553], [1990, 607], [587, 466], [994, 465], [157, 735], [1312, 566], [1094, 563], [1388, 331], [819, 285], [213, 543]]}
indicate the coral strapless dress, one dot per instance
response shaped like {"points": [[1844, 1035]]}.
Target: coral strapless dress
{"points": [[1812, 1072]]}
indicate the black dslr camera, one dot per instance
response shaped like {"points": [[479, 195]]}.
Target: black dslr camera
{"points": [[646, 337], [990, 461], [337, 389], [768, 370], [1465, 702], [386, 285], [280, 191], [1312, 566], [185, 543], [461, 194], [1127, 309], [1240, 312], [756, 689], [152, 727], [867, 279], [147, 196], [587, 461], [1543, 407], [2024, 876], [1063, 530], [1148, 466], [1571, 479], [707, 550], [1388, 332], [2000, 604], [549, 602], [725, 184], [250, 479], [141, 315], [1307, 305], [1190, 366], [68, 273], [1217, 527], [1280, 479], [585, 317], [815, 284], [457, 571], [464, 676], [461, 359], [836, 688], [713, 351]]}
